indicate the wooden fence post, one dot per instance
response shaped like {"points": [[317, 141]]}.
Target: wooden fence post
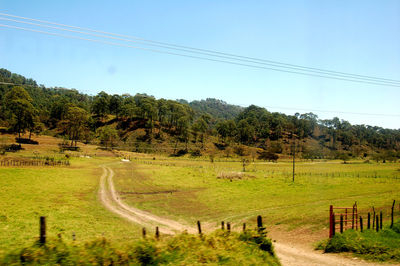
{"points": [[144, 232], [330, 221], [391, 223], [157, 233], [373, 218], [361, 224], [199, 227], [377, 223], [42, 239], [244, 227], [222, 225], [259, 223], [341, 223], [381, 221], [333, 225], [352, 219], [228, 227]]}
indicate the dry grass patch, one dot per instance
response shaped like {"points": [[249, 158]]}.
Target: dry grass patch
{"points": [[234, 175]]}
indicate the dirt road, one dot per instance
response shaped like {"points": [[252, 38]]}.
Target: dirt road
{"points": [[289, 254], [111, 200], [297, 256]]}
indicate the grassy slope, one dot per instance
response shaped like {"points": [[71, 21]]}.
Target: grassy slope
{"points": [[67, 196], [190, 190]]}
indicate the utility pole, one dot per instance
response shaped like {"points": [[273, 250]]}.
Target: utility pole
{"points": [[294, 156]]}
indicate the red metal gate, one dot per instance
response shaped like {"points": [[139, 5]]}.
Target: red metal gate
{"points": [[348, 216]]}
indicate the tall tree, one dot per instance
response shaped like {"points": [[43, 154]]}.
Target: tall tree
{"points": [[75, 123], [101, 103], [19, 109]]}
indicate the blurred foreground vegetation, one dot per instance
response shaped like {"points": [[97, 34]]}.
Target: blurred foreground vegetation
{"points": [[218, 248]]}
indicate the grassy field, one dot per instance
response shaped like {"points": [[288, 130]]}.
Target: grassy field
{"points": [[186, 189], [67, 196], [191, 190]]}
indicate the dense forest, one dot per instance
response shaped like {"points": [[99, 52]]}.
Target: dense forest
{"points": [[143, 123]]}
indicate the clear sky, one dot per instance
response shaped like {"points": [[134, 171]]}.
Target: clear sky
{"points": [[361, 37]]}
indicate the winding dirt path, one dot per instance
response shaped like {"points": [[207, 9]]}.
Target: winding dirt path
{"points": [[111, 200], [289, 254]]}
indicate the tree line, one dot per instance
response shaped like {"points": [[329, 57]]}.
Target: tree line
{"points": [[33, 108]]}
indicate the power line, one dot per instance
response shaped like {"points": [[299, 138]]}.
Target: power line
{"points": [[280, 107], [331, 111], [210, 52], [352, 76], [196, 57]]}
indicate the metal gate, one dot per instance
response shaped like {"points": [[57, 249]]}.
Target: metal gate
{"points": [[345, 217]]}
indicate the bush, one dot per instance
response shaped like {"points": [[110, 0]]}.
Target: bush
{"points": [[383, 245], [26, 141], [268, 156], [196, 153], [13, 147], [179, 153]]}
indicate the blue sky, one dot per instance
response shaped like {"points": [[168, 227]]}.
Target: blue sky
{"points": [[361, 37]]}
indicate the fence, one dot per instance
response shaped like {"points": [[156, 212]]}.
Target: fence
{"points": [[260, 229], [343, 218], [345, 214], [39, 162]]}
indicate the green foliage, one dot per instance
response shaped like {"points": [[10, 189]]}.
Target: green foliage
{"points": [[220, 248], [20, 111], [108, 136], [344, 156], [100, 105], [45, 108], [383, 245], [216, 108], [75, 123], [268, 156]]}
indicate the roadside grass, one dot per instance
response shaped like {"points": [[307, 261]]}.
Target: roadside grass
{"points": [[191, 190], [218, 248], [67, 196], [378, 246]]}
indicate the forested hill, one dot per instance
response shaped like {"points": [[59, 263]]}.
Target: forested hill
{"points": [[217, 108], [143, 123]]}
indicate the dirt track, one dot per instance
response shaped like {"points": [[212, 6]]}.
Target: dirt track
{"points": [[288, 254], [296, 256], [111, 200]]}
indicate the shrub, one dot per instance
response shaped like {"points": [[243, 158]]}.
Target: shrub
{"points": [[26, 141], [383, 245], [268, 156]]}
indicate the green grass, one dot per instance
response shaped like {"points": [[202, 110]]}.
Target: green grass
{"points": [[67, 196], [185, 189], [218, 248], [379, 246], [190, 189]]}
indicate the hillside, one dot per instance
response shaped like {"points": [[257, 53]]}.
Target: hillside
{"points": [[145, 124], [217, 108]]}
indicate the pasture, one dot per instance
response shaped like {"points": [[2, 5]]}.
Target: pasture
{"points": [[67, 196], [191, 190], [185, 189]]}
